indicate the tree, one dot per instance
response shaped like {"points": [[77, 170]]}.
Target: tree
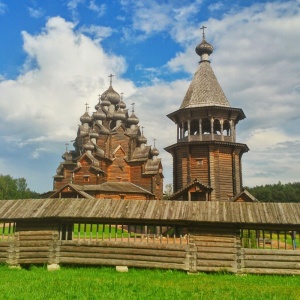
{"points": [[11, 188], [168, 191]]}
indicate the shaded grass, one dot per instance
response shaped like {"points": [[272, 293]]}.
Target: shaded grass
{"points": [[105, 283]]}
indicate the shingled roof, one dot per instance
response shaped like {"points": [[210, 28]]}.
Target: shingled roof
{"points": [[153, 210], [204, 90]]}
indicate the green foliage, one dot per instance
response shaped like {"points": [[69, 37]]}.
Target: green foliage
{"points": [[105, 283], [11, 188], [289, 192], [168, 191]]}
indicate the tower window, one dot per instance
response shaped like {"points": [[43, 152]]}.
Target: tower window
{"points": [[199, 161]]}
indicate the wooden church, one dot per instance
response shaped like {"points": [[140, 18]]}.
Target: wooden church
{"points": [[111, 159], [206, 157]]}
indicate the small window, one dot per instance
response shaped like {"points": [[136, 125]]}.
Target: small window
{"points": [[199, 161], [86, 178]]}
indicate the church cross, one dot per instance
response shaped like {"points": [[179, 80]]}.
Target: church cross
{"points": [[111, 76], [203, 33], [154, 140], [132, 107], [142, 129], [86, 107], [122, 95], [66, 146]]}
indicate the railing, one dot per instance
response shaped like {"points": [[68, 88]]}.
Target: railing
{"points": [[136, 233], [7, 230], [270, 239]]}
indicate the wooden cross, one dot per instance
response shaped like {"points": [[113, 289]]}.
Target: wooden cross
{"points": [[203, 33], [122, 95], [66, 146], [142, 129], [86, 106], [154, 141], [111, 76]]}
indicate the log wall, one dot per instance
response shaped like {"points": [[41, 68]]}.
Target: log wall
{"points": [[125, 254], [216, 249], [262, 261], [209, 248]]}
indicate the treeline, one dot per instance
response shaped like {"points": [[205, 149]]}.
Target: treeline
{"points": [[289, 192], [11, 188]]}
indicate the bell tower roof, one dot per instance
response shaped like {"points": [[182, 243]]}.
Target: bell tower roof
{"points": [[204, 90]]}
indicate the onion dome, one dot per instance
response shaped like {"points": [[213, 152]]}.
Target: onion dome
{"points": [[142, 139], [86, 118], [99, 114], [98, 105], [67, 156], [119, 115], [133, 119], [110, 95], [122, 104], [154, 152], [94, 134], [204, 48], [89, 146]]}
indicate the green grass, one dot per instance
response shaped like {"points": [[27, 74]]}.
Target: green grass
{"points": [[105, 283]]}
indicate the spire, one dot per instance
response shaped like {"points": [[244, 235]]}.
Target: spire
{"points": [[204, 90]]}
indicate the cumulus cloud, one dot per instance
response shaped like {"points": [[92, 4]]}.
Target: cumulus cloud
{"points": [[3, 8], [64, 70]]}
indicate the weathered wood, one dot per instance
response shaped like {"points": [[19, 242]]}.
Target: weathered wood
{"points": [[216, 256], [122, 256], [132, 251], [35, 237], [129, 263], [271, 264], [264, 257], [215, 269], [216, 250], [23, 233], [216, 263], [32, 260]]}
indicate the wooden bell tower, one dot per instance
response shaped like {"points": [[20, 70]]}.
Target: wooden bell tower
{"points": [[206, 151]]}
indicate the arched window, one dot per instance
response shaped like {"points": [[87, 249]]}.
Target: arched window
{"points": [[206, 126], [217, 127], [194, 127], [226, 128]]}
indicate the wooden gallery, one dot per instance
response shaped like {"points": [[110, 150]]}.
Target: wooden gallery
{"points": [[106, 206]]}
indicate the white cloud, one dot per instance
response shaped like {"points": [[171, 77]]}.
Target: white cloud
{"points": [[215, 6], [98, 32], [3, 8], [42, 107], [99, 9], [35, 13]]}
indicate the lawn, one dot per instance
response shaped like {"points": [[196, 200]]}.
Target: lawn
{"points": [[105, 283]]}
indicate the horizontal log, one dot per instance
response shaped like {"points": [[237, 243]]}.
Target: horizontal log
{"points": [[129, 263], [37, 232], [124, 244], [34, 243], [274, 257], [271, 264], [33, 254], [216, 256], [216, 263], [214, 244], [271, 271], [33, 249], [270, 252], [36, 238], [4, 244], [220, 239], [216, 250], [3, 254], [121, 256], [133, 251], [32, 260]]}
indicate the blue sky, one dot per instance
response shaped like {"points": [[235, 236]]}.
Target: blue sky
{"points": [[57, 55]]}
